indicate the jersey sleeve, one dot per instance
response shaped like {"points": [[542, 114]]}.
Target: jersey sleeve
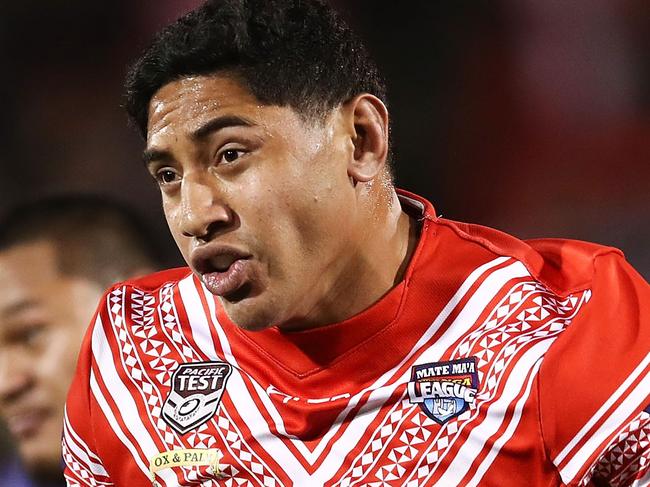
{"points": [[594, 386], [82, 464]]}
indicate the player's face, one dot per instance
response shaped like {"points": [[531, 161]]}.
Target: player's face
{"points": [[43, 315], [258, 200]]}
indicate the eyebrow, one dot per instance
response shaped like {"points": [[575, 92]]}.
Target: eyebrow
{"points": [[209, 127], [18, 307], [220, 123], [151, 155]]}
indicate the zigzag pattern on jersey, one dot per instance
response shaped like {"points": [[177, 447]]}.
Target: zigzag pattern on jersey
{"points": [[83, 466], [408, 443], [237, 450], [72, 482], [528, 314], [143, 336], [229, 433], [198, 438], [143, 347], [85, 478], [627, 457], [80, 469]]}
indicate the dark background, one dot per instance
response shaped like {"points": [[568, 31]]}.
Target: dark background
{"points": [[532, 116]]}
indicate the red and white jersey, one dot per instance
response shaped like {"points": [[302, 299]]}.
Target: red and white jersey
{"points": [[495, 362]]}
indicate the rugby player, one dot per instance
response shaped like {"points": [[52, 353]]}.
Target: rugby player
{"points": [[331, 329]]}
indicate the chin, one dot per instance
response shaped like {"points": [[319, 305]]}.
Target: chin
{"points": [[44, 466], [249, 314]]}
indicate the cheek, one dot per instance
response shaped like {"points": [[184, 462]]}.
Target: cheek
{"points": [[173, 218], [170, 215], [301, 223], [58, 359], [321, 209]]}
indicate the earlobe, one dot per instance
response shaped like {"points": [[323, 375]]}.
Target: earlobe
{"points": [[369, 137]]}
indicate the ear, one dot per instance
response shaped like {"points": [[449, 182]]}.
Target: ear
{"points": [[368, 128]]}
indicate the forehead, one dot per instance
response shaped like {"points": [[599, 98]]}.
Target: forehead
{"points": [[27, 273], [29, 260], [192, 100]]}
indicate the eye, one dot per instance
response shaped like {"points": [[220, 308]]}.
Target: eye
{"points": [[29, 335], [231, 155], [166, 176], [33, 335]]}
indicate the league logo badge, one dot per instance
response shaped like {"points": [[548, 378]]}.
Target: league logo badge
{"points": [[444, 390], [196, 391]]}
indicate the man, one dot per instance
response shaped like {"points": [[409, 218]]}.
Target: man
{"points": [[56, 258], [331, 330]]}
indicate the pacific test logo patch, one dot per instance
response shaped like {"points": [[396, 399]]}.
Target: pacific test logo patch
{"points": [[196, 391], [444, 390]]}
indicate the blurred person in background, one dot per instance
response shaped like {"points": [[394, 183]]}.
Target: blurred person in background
{"points": [[57, 256]]}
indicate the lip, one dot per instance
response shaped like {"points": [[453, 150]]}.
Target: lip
{"points": [[228, 282], [221, 281], [25, 424]]}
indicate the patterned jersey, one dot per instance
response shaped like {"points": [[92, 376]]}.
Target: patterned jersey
{"points": [[495, 362]]}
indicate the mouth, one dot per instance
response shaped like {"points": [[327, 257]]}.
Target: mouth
{"points": [[26, 424], [225, 271]]}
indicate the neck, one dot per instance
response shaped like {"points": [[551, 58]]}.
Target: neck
{"points": [[368, 268]]}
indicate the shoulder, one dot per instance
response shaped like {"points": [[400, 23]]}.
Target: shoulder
{"points": [[130, 302], [593, 382], [152, 282], [563, 266]]}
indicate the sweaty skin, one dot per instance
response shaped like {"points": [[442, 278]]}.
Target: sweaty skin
{"points": [[292, 222]]}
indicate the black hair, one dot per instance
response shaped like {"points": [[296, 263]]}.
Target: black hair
{"points": [[296, 53], [94, 236]]}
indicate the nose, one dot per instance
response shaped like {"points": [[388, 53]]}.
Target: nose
{"points": [[15, 378], [204, 210]]}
